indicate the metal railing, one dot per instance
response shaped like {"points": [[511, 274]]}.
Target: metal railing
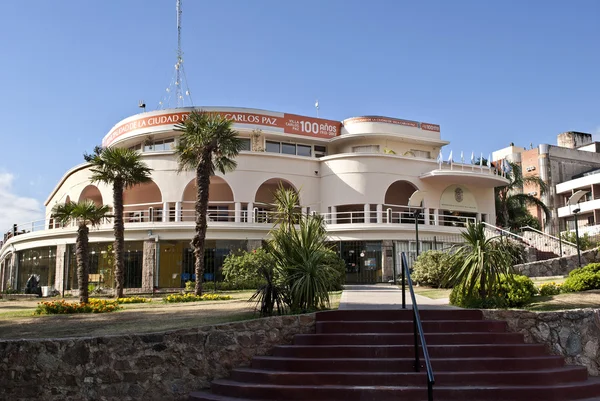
{"points": [[417, 327], [546, 242]]}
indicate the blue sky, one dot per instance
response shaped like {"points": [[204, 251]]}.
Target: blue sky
{"points": [[489, 72]]}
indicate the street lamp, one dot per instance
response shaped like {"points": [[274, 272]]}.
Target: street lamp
{"points": [[415, 200], [574, 201]]}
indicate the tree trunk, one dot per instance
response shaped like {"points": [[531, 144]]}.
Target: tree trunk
{"points": [[82, 252], [202, 186], [118, 230]]}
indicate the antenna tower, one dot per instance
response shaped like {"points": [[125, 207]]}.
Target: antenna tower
{"points": [[180, 79]]}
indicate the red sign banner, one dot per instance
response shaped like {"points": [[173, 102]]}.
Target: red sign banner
{"points": [[290, 123], [430, 127]]}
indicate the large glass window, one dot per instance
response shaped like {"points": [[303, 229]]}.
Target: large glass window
{"points": [[245, 143], [288, 148], [39, 262], [273, 147], [304, 150]]}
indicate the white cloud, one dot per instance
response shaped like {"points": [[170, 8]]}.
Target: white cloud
{"points": [[15, 208]]}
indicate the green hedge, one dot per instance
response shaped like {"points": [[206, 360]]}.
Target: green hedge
{"points": [[430, 267], [583, 279], [509, 294]]}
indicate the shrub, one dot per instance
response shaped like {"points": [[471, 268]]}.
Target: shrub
{"points": [[63, 307], [508, 293], [133, 300], [173, 298], [430, 267], [547, 289], [190, 285], [585, 242], [243, 267]]}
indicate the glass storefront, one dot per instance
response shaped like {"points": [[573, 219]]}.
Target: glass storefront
{"points": [[101, 273], [37, 261], [176, 264]]}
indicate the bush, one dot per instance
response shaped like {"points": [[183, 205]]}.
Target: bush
{"points": [[338, 271], [63, 307], [173, 298], [133, 300], [430, 267], [585, 242], [507, 294], [243, 267], [547, 289], [583, 279]]}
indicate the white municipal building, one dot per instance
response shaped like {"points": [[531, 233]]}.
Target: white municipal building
{"points": [[358, 173]]}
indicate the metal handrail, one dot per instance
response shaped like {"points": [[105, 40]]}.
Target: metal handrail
{"points": [[508, 233], [417, 328], [547, 235]]}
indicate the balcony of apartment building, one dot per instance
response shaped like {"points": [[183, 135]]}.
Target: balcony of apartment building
{"points": [[587, 210]]}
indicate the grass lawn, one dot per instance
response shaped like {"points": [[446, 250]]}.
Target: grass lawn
{"points": [[433, 293], [17, 319], [575, 300]]}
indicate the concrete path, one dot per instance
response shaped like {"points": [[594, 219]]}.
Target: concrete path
{"points": [[385, 296]]}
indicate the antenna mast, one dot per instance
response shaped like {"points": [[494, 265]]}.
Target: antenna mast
{"points": [[179, 80]]}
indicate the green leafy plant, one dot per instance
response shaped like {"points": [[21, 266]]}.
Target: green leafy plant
{"points": [[512, 292], [243, 267], [547, 289], [190, 285], [585, 242], [430, 267], [583, 279], [133, 300], [63, 307]]}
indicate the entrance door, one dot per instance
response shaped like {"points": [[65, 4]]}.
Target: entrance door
{"points": [[363, 261]]}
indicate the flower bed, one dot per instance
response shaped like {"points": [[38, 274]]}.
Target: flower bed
{"points": [[194, 298], [63, 307], [133, 300]]}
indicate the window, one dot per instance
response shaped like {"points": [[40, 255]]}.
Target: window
{"points": [[320, 151], [273, 147], [590, 220], [156, 146], [304, 150], [365, 149], [288, 148], [245, 143]]}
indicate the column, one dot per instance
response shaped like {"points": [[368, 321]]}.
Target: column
{"points": [[436, 217], [367, 211], [165, 213], [478, 217], [250, 212], [238, 212], [148, 265], [333, 214], [177, 211], [426, 215], [59, 275], [379, 213]]}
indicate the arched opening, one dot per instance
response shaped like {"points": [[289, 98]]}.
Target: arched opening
{"points": [[142, 203], [220, 201], [91, 192], [67, 199], [395, 203], [265, 198]]}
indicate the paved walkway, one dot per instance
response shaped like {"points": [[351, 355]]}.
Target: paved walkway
{"points": [[385, 296]]}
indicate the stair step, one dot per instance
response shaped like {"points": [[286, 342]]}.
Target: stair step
{"points": [[403, 364], [407, 338], [519, 377], [556, 392], [407, 351], [398, 326], [398, 314]]}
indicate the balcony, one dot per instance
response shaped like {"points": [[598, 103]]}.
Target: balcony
{"points": [[466, 174], [588, 206]]}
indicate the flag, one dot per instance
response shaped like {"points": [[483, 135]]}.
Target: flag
{"points": [[450, 158], [472, 157], [440, 157], [489, 162], [506, 168], [481, 160], [462, 157]]}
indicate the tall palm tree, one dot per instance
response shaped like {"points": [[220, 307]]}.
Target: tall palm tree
{"points": [[122, 168], [479, 261], [207, 144], [83, 214], [509, 199], [288, 211]]}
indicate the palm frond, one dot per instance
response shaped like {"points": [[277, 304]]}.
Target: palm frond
{"points": [[125, 165], [527, 199]]}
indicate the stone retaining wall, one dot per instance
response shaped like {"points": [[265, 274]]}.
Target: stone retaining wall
{"points": [[573, 334], [158, 366], [557, 266]]}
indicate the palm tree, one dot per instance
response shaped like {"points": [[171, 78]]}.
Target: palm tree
{"points": [[509, 200], [288, 211], [207, 144], [122, 168], [82, 213], [478, 262]]}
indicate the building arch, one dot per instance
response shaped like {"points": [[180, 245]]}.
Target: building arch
{"points": [[142, 203], [399, 192], [219, 191], [90, 192], [67, 199], [265, 192]]}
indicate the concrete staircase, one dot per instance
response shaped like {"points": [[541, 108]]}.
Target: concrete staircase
{"points": [[369, 355]]}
